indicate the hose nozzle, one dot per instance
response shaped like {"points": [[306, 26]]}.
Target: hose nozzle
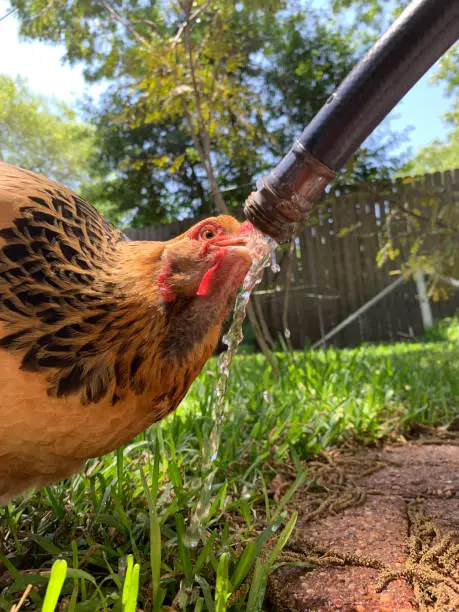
{"points": [[284, 197]]}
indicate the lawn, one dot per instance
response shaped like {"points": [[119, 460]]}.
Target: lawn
{"points": [[138, 501]]}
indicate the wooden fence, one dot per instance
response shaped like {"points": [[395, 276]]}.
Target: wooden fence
{"points": [[333, 265]]}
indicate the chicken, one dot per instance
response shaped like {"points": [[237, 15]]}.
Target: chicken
{"points": [[99, 336]]}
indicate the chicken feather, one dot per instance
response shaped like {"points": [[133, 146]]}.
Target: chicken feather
{"points": [[99, 336]]}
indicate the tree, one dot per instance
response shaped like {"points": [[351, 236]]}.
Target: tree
{"points": [[205, 96], [431, 216], [307, 59], [184, 128], [438, 155], [42, 134], [371, 18]]}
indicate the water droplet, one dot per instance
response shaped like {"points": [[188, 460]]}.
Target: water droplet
{"points": [[190, 541], [245, 493]]}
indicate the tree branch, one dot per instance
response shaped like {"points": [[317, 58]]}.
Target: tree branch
{"points": [[415, 215], [126, 24], [8, 13], [420, 217], [154, 26], [454, 282], [205, 149], [201, 141], [188, 21]]}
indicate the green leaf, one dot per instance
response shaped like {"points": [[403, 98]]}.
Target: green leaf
{"points": [[183, 549], [155, 531], [283, 538], [258, 587], [55, 584], [244, 564], [131, 586], [223, 586]]}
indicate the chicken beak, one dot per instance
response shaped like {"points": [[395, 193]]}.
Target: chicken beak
{"points": [[228, 242], [237, 246]]}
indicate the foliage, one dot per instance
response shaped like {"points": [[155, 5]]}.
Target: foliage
{"points": [[272, 427], [43, 135], [204, 97], [372, 17], [433, 216], [181, 75], [448, 72], [307, 59], [439, 155], [422, 230], [446, 330]]}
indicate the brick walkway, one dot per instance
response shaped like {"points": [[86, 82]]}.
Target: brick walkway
{"points": [[379, 529]]}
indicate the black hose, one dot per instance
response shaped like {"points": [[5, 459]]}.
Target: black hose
{"points": [[417, 39]]}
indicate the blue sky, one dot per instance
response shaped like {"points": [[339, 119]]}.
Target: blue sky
{"points": [[421, 109]]}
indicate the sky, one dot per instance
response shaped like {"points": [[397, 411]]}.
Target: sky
{"points": [[421, 109]]}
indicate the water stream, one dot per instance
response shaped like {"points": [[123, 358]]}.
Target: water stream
{"points": [[263, 249]]}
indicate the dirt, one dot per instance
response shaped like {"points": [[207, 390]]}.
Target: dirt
{"points": [[378, 530]]}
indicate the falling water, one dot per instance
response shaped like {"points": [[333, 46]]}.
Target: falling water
{"points": [[275, 267], [262, 248]]}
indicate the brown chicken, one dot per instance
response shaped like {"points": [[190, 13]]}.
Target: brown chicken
{"points": [[99, 336]]}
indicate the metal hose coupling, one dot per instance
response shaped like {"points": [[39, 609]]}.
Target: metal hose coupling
{"points": [[284, 197]]}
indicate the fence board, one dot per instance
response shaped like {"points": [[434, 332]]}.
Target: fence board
{"points": [[343, 270]]}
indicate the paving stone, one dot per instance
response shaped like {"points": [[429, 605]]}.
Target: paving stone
{"points": [[377, 529]]}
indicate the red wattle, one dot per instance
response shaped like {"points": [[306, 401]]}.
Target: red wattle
{"points": [[207, 280]]}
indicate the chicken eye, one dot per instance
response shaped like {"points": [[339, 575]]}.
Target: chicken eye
{"points": [[207, 234]]}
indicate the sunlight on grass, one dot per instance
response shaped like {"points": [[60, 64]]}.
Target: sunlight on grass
{"points": [[119, 528]]}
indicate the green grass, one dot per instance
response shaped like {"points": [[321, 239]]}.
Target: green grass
{"points": [[138, 501]]}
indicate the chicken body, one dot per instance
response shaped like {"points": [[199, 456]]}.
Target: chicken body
{"points": [[99, 336]]}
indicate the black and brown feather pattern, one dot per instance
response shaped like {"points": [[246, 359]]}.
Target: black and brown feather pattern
{"points": [[72, 307], [59, 312], [84, 323]]}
